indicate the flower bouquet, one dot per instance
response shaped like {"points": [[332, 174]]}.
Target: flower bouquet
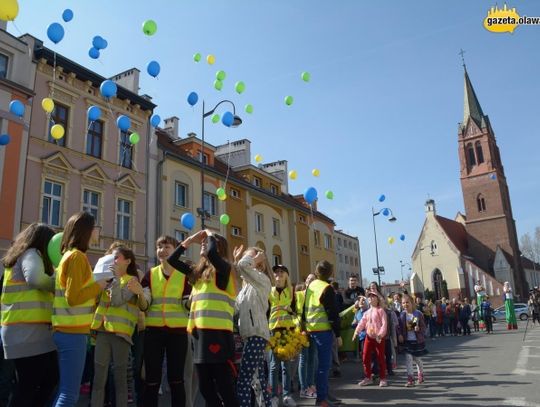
{"points": [[288, 343]]}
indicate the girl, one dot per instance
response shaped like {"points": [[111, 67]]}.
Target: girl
{"points": [[114, 321], [375, 323], [362, 306], [73, 305], [308, 356], [412, 328], [474, 314], [252, 305], [211, 316], [27, 298]]}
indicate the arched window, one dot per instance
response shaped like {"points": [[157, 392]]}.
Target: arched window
{"points": [[479, 152], [437, 283], [481, 203], [433, 247], [471, 160]]}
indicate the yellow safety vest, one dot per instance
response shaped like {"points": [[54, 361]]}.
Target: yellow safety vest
{"points": [[65, 315], [166, 308], [211, 307], [316, 317], [280, 305], [119, 320], [22, 304], [300, 297]]}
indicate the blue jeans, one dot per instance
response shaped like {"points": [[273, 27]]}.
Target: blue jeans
{"points": [[306, 367], [275, 366], [323, 341], [71, 358]]}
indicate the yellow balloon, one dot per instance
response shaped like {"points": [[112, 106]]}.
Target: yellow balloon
{"points": [[293, 174], [258, 158], [222, 197], [47, 104], [211, 59], [391, 240], [315, 172], [9, 9], [57, 131]]}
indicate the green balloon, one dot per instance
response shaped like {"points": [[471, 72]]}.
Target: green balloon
{"points": [[220, 191], [197, 57], [289, 100], [306, 76], [215, 118], [240, 87], [220, 75], [134, 138], [53, 249], [149, 27], [224, 219], [218, 85], [249, 109], [329, 195]]}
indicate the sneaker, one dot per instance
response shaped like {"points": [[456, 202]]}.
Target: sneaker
{"points": [[410, 382], [383, 383], [420, 378], [365, 382], [307, 394], [288, 401]]}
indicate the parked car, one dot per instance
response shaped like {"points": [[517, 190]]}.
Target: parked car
{"points": [[521, 310]]}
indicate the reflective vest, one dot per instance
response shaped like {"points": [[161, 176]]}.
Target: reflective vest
{"points": [[316, 317], [166, 308], [211, 307], [22, 304], [280, 309], [300, 297], [65, 315], [119, 320]]}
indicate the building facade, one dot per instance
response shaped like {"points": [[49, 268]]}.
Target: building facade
{"points": [[348, 262]]}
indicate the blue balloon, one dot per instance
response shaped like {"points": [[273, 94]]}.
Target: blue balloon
{"points": [[55, 32], [227, 119], [4, 139], [94, 113], [123, 123], [193, 98], [310, 195], [153, 69], [108, 89], [99, 42], [187, 220], [402, 238], [386, 211], [382, 198], [67, 15], [17, 108], [93, 53], [104, 44], [155, 120]]}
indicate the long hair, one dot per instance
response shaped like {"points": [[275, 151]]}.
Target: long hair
{"points": [[128, 254], [77, 232], [204, 269], [266, 270], [35, 236], [413, 303]]}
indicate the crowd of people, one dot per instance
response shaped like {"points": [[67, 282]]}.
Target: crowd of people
{"points": [[67, 328]]}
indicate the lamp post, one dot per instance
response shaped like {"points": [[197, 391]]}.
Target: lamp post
{"points": [[237, 121], [378, 269], [403, 265], [421, 267]]}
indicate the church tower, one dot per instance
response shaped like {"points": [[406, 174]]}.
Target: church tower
{"points": [[489, 220]]}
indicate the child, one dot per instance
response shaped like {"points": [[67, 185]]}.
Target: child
{"points": [[474, 315], [362, 306], [486, 312], [412, 328], [375, 322], [308, 356]]}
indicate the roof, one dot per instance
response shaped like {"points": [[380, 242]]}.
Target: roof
{"points": [[529, 264], [471, 106], [455, 231]]}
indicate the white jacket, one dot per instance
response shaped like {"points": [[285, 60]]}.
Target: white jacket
{"points": [[252, 301]]}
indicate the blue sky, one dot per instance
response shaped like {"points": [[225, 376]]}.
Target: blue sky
{"points": [[379, 115]]}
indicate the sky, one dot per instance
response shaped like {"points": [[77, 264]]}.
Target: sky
{"points": [[379, 115]]}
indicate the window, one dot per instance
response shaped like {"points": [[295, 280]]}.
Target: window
{"points": [[275, 227], [303, 249], [339, 242], [259, 222], [276, 259], [433, 247], [317, 236], [481, 203], [354, 246], [350, 245], [479, 152], [91, 204], [327, 241], [301, 218], [355, 262], [59, 116], [471, 160], [205, 157], [236, 231], [346, 259], [126, 150], [181, 236], [257, 182], [235, 193], [123, 219], [94, 138], [210, 203], [52, 203], [273, 189], [180, 194], [3, 65]]}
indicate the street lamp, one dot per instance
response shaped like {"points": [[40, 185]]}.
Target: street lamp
{"points": [[403, 265], [421, 268], [385, 211], [237, 121]]}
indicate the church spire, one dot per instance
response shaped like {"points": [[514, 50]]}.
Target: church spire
{"points": [[471, 105]]}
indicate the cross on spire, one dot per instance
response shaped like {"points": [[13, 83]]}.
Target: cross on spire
{"points": [[462, 53]]}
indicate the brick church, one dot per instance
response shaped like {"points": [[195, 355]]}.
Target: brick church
{"points": [[481, 244]]}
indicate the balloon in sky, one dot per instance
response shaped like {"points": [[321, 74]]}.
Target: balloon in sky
{"points": [[315, 172], [187, 220], [108, 89], [220, 75], [329, 195], [382, 198], [67, 15], [17, 108], [123, 123], [402, 238], [9, 9], [218, 85], [249, 108], [391, 240], [47, 104], [289, 100], [99, 42], [240, 87], [149, 27], [94, 113], [155, 120], [197, 57], [53, 249], [4, 139], [93, 53], [293, 174], [55, 32], [211, 59], [134, 138], [227, 119], [153, 68], [57, 131], [258, 158], [310, 195], [193, 98], [215, 118], [306, 76], [386, 211], [224, 219]]}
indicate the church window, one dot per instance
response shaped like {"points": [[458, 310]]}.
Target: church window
{"points": [[471, 160], [479, 152], [433, 247], [481, 203]]}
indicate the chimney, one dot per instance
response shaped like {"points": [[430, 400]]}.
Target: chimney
{"points": [[236, 153], [171, 126], [128, 79], [279, 170]]}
